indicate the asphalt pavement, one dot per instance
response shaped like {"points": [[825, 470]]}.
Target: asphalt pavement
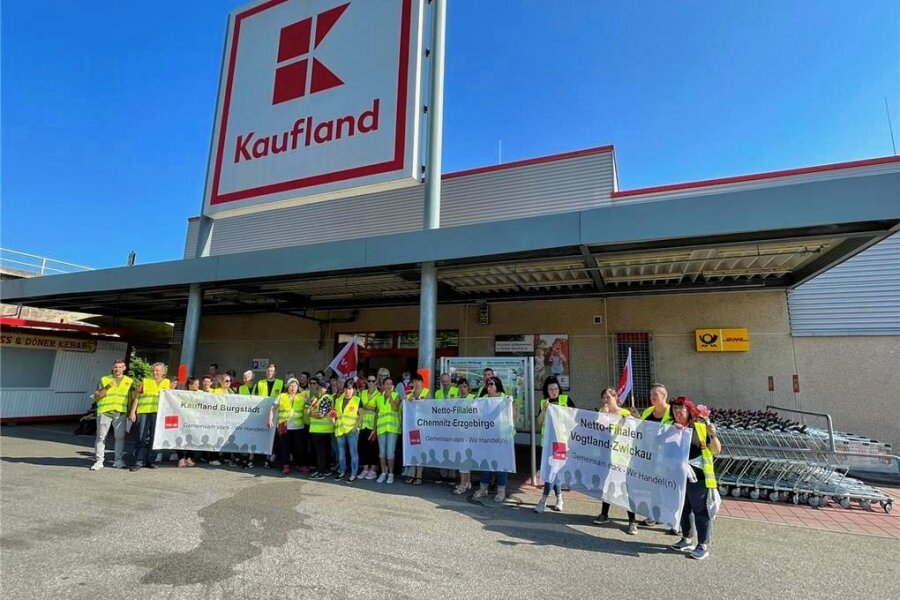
{"points": [[67, 532]]}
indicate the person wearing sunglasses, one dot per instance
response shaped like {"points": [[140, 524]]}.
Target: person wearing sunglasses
{"points": [[368, 442]]}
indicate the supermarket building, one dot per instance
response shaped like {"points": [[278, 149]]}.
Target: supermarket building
{"points": [[551, 247]]}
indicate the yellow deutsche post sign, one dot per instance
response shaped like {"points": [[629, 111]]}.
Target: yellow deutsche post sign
{"points": [[722, 340], [45, 342]]}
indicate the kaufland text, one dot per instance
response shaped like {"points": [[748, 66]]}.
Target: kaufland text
{"points": [[306, 132]]}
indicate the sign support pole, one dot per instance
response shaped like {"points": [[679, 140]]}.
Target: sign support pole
{"points": [[428, 292]]}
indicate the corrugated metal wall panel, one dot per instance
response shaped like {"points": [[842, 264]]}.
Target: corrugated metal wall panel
{"points": [[41, 403], [190, 239], [79, 371], [858, 297], [547, 187], [75, 376]]}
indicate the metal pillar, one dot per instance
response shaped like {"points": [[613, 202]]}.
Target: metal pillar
{"points": [[428, 296], [195, 299]]}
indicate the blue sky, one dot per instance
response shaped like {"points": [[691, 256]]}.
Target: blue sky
{"points": [[107, 106]]}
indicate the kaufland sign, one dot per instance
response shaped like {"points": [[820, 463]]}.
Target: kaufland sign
{"points": [[318, 99]]}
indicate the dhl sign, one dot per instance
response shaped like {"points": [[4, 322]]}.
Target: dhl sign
{"points": [[722, 340]]}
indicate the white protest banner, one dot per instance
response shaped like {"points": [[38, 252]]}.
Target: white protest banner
{"points": [[469, 434], [213, 422], [639, 465]]}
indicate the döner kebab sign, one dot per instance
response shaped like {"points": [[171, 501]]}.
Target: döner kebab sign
{"points": [[46, 342], [318, 99]]}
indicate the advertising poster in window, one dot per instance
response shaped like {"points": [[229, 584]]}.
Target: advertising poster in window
{"points": [[550, 351]]}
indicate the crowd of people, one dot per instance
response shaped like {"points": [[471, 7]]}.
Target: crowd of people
{"points": [[349, 429]]}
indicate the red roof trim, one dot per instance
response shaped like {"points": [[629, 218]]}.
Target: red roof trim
{"points": [[529, 161], [67, 327], [758, 176]]}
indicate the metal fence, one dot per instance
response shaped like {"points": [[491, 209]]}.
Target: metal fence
{"points": [[15, 262]]}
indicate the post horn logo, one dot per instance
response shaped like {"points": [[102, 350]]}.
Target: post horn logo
{"points": [[709, 339]]}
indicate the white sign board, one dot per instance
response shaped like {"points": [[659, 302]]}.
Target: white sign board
{"points": [[318, 99]]}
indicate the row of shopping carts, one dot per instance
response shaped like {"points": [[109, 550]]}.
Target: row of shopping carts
{"points": [[799, 463]]}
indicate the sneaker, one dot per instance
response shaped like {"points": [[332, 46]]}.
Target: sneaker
{"points": [[460, 490], [601, 520], [303, 469], [286, 470], [541, 505], [317, 476], [152, 465], [632, 529], [267, 465], [173, 457], [381, 478], [136, 467], [648, 522], [159, 457], [364, 473], [684, 545], [390, 478], [481, 492], [500, 496], [339, 476], [189, 463], [215, 463], [674, 531], [98, 464], [372, 475], [700, 552], [558, 507], [119, 464], [182, 464], [351, 479], [249, 465]]}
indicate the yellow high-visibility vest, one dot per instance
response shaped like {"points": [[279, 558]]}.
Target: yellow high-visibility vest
{"points": [[116, 398], [149, 400], [245, 390], [370, 406], [706, 457], [262, 387], [291, 410], [347, 415], [318, 424], [667, 416], [423, 395], [453, 392], [388, 418]]}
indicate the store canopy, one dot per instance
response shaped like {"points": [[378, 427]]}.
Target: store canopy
{"points": [[696, 240]]}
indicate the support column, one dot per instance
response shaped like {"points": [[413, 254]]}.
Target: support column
{"points": [[428, 297], [195, 299]]}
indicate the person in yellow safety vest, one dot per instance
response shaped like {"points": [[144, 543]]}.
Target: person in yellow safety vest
{"points": [[482, 391], [494, 388], [143, 411], [248, 385], [290, 407], [206, 385], [610, 404], [446, 391], [465, 475], [416, 391], [112, 396], [552, 395], [659, 412], [704, 445], [271, 386], [387, 428], [322, 416], [368, 442], [346, 431]]}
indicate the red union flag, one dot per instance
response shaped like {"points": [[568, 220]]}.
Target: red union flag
{"points": [[344, 364], [626, 380], [319, 99]]}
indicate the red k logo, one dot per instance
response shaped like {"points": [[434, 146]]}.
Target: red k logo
{"points": [[294, 49]]}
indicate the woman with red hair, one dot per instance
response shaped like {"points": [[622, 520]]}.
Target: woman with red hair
{"points": [[701, 479]]}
